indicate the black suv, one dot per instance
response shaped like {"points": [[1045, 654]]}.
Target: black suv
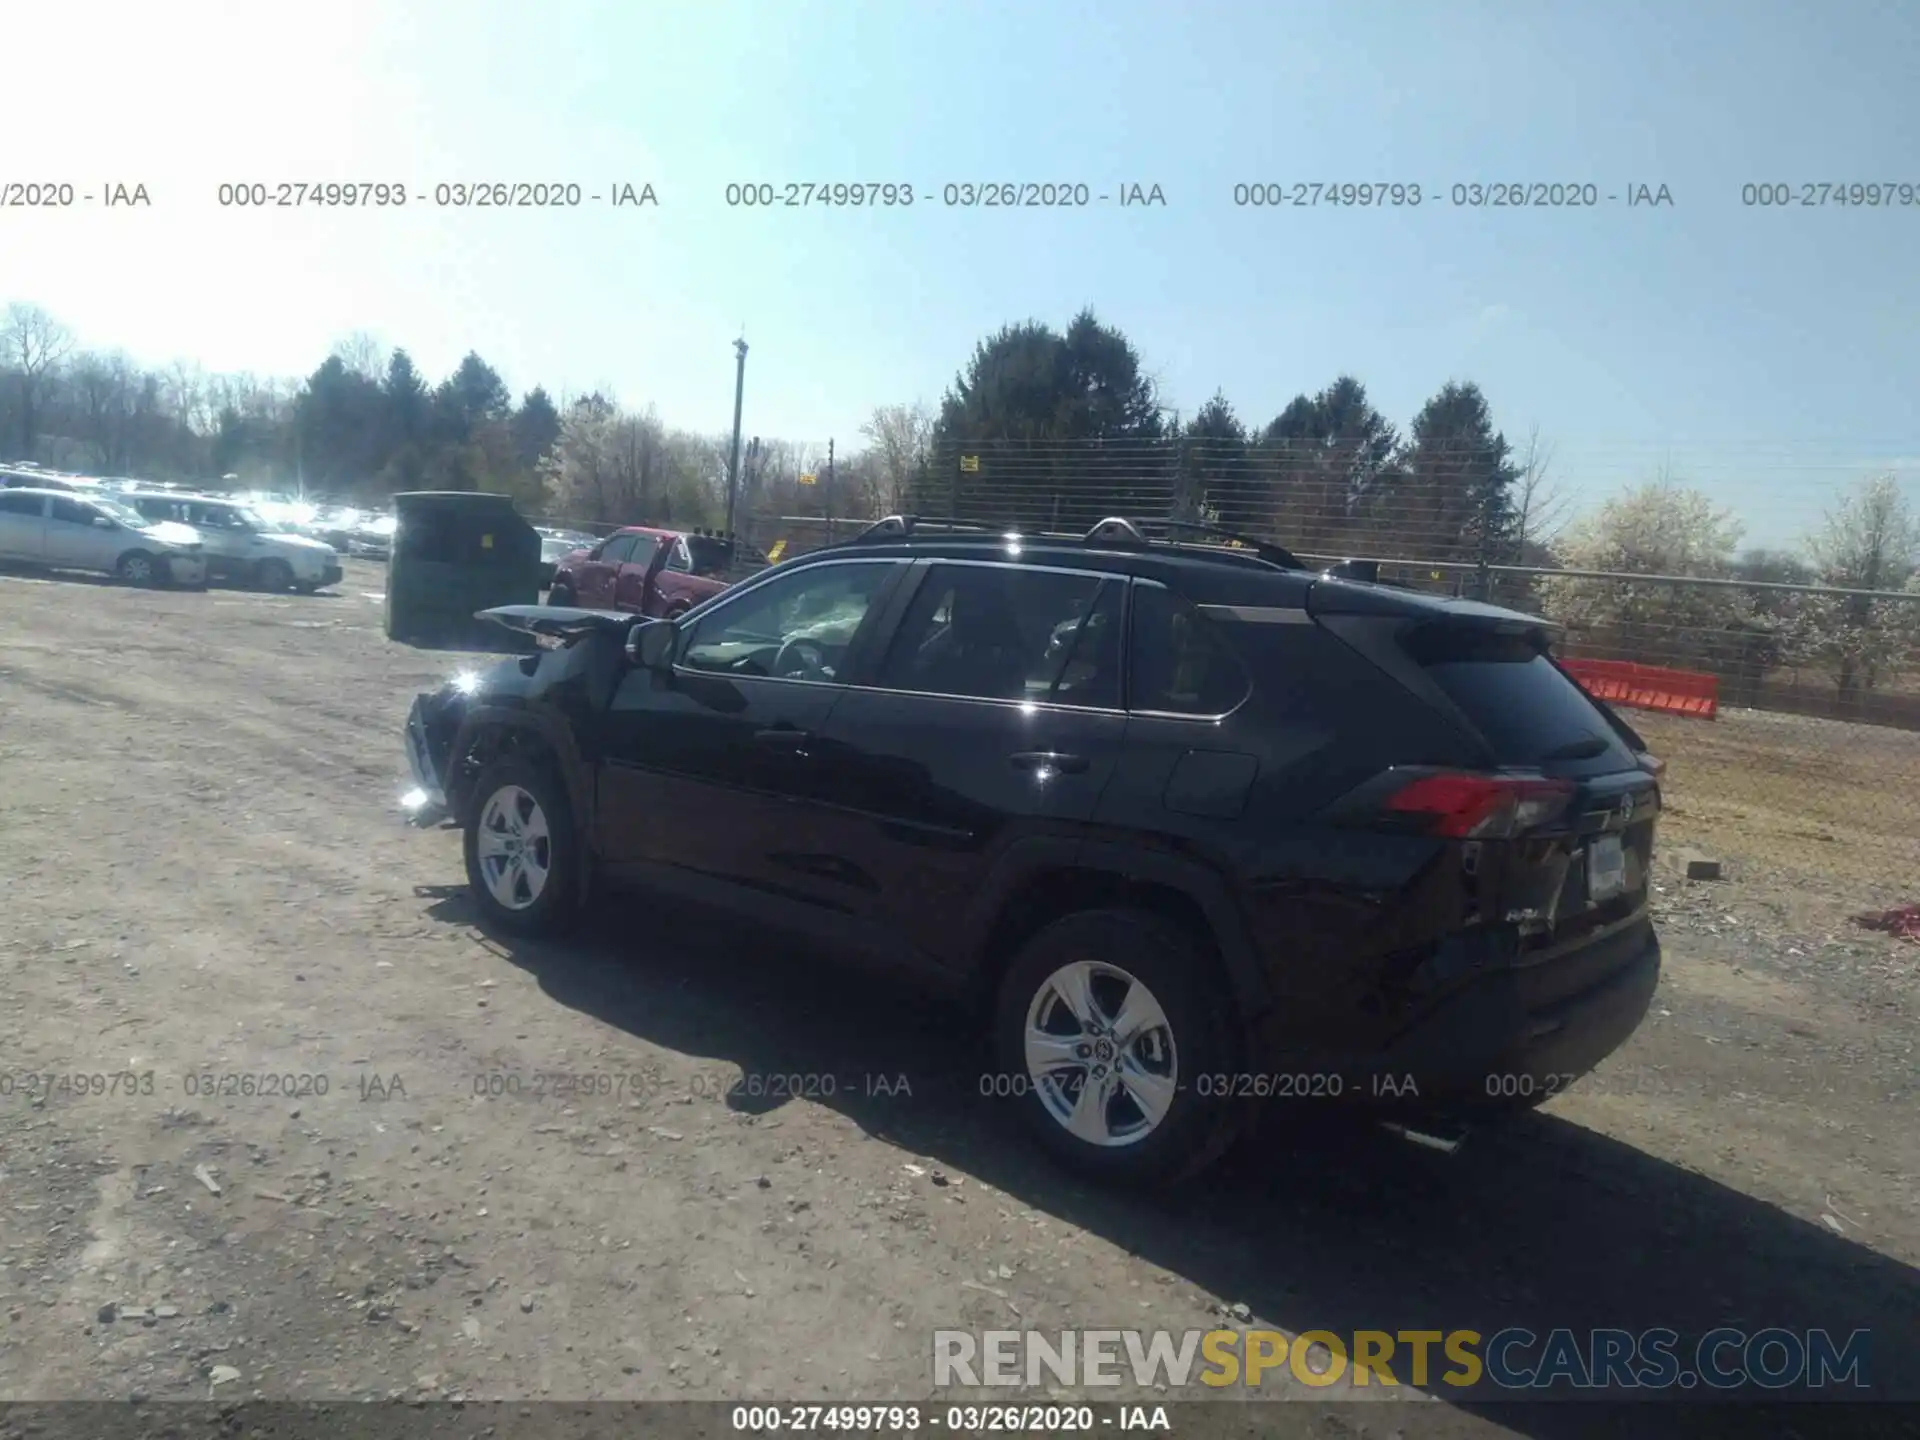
{"points": [[1193, 824]]}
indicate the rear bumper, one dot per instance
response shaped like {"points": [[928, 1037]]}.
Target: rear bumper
{"points": [[1494, 1044], [1524, 1032]]}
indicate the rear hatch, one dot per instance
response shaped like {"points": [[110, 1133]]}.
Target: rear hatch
{"points": [[1549, 792]]}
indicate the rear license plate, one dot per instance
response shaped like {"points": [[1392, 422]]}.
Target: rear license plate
{"points": [[1606, 869]]}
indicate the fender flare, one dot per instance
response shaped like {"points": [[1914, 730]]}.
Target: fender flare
{"points": [[554, 732], [1025, 858]]}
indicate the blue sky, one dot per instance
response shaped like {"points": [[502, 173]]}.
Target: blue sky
{"points": [[1765, 354]]}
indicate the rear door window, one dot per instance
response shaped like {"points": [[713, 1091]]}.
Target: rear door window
{"points": [[1529, 711], [1001, 632], [1180, 665]]}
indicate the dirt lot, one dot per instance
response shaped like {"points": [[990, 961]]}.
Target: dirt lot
{"points": [[205, 876]]}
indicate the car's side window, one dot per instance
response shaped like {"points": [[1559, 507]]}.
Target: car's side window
{"points": [[617, 550], [72, 511], [12, 502], [679, 560], [1002, 632], [799, 626], [1178, 664], [642, 551]]}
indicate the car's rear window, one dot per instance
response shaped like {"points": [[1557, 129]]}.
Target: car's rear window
{"points": [[1528, 710], [710, 556]]}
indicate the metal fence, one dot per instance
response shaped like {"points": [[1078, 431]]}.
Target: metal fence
{"points": [[1810, 770], [1808, 773]]}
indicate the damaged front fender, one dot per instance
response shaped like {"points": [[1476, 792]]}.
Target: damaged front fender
{"points": [[426, 803]]}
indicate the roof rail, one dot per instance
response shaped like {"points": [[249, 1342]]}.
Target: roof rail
{"points": [[1114, 530], [899, 527], [1139, 530]]}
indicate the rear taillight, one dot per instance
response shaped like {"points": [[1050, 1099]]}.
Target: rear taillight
{"points": [[1481, 807]]}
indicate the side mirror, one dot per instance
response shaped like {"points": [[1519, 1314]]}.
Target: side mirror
{"points": [[104, 523], [650, 644]]}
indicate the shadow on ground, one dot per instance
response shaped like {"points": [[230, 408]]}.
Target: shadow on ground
{"points": [[1544, 1224]]}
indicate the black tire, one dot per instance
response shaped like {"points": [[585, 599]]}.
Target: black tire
{"points": [[560, 595], [273, 575], [307, 587], [1195, 1129], [137, 567], [557, 905]]}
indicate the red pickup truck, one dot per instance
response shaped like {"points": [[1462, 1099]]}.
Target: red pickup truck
{"points": [[656, 573]]}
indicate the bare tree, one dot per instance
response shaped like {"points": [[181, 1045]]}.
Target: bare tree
{"points": [[33, 344], [363, 354], [639, 462], [1542, 504], [900, 438]]}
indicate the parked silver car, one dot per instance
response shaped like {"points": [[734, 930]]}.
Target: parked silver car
{"points": [[97, 532], [243, 547]]}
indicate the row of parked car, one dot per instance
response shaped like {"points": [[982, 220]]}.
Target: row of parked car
{"points": [[154, 534]]}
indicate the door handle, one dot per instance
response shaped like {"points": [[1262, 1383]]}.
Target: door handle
{"points": [[783, 737], [1049, 760]]}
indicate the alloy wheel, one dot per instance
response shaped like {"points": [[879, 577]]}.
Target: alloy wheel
{"points": [[515, 847], [1100, 1054]]}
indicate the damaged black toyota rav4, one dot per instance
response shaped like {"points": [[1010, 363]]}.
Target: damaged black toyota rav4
{"points": [[1199, 831]]}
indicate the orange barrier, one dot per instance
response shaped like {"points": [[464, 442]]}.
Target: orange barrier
{"points": [[1679, 692]]}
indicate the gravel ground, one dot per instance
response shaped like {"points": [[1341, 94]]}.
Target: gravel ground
{"points": [[205, 877]]}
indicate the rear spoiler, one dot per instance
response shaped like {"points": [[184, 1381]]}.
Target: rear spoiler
{"points": [[565, 622]]}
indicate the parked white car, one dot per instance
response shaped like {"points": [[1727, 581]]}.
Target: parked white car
{"points": [[242, 546], [98, 532]]}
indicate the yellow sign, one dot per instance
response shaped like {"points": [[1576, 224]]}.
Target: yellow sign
{"points": [[809, 478], [779, 548], [970, 464], [486, 542]]}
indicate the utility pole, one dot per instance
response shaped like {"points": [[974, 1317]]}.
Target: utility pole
{"points": [[733, 463], [829, 492]]}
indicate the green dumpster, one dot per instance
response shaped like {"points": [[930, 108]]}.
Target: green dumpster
{"points": [[455, 552]]}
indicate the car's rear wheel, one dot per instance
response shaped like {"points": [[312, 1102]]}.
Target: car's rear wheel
{"points": [[522, 854], [274, 575], [1111, 1030], [137, 567]]}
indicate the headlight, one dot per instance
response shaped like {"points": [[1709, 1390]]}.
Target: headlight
{"points": [[467, 682]]}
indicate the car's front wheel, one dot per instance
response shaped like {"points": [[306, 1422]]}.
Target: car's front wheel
{"points": [[273, 575], [1113, 1037], [138, 568], [522, 854]]}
